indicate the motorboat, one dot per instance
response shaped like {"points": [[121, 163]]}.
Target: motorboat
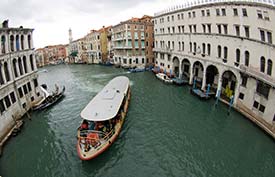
{"points": [[137, 69], [179, 81], [102, 118], [164, 78], [49, 99]]}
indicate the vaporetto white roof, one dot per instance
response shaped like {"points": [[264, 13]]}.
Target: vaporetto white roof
{"points": [[105, 105]]}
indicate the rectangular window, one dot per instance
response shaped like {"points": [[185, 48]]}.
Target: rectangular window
{"points": [[7, 101], [262, 108], [209, 28], [256, 104], [225, 29], [29, 87], [35, 82], [2, 106], [235, 12], [246, 30], [20, 92], [223, 12], [208, 12], [262, 33], [219, 29], [269, 37], [237, 29], [202, 13], [217, 12], [241, 96], [259, 13], [203, 28], [124, 60], [266, 16], [244, 12], [190, 28], [263, 89], [13, 98], [244, 81], [25, 89]]}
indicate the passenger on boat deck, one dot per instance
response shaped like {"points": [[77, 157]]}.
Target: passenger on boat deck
{"points": [[84, 125], [56, 88]]}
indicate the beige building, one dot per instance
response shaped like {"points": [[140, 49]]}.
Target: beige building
{"points": [[133, 42], [228, 45], [18, 75]]}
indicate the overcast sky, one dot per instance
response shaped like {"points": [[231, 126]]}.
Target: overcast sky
{"points": [[52, 19]]}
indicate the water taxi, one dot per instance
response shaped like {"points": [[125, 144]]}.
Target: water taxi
{"points": [[164, 78], [103, 118]]}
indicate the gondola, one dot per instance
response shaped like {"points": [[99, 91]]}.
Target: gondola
{"points": [[49, 99]]}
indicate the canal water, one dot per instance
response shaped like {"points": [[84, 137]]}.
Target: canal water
{"points": [[167, 132]]}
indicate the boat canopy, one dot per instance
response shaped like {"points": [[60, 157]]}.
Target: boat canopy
{"points": [[46, 93], [105, 105]]}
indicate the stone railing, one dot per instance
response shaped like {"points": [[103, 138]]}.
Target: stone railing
{"points": [[193, 3]]}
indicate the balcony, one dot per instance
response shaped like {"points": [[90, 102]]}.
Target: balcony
{"points": [[254, 72], [161, 50]]}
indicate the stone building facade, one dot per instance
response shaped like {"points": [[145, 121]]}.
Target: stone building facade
{"points": [[133, 42], [228, 45], [18, 75]]}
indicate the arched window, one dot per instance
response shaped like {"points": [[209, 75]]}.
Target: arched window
{"points": [[32, 64], [1, 76], [12, 43], [20, 66], [190, 44], [208, 49], [195, 47], [269, 67], [25, 64], [219, 51], [262, 64], [7, 73], [14, 62], [22, 42], [29, 41], [3, 41], [246, 58], [225, 54], [238, 55], [17, 43]]}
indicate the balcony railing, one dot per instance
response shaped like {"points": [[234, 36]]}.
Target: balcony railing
{"points": [[194, 3], [259, 75]]}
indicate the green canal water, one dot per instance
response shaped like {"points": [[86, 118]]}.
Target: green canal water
{"points": [[167, 132]]}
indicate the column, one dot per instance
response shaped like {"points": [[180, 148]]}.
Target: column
{"points": [[191, 74], [204, 79], [219, 85], [180, 70], [3, 73]]}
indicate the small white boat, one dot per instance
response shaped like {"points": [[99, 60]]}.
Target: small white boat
{"points": [[164, 78], [103, 118]]}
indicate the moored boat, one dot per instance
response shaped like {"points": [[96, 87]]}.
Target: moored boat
{"points": [[103, 118], [137, 69], [179, 81], [164, 78]]}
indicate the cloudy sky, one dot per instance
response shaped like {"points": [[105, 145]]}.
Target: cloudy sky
{"points": [[52, 19]]}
